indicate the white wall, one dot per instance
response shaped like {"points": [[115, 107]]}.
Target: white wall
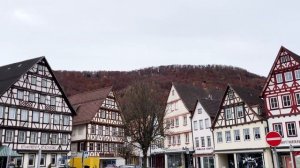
{"points": [[79, 132]]}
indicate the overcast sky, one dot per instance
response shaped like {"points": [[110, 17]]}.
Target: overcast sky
{"points": [[133, 34]]}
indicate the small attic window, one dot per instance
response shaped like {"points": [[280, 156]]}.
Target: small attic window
{"points": [[230, 94], [8, 68], [284, 59], [173, 92], [19, 65]]}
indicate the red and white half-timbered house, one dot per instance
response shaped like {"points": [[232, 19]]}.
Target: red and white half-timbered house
{"points": [[281, 95], [239, 130], [98, 127], [35, 114]]}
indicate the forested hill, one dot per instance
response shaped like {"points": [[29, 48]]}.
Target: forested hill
{"points": [[217, 76]]}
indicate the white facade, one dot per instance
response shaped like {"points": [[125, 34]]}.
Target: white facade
{"points": [[203, 138]]}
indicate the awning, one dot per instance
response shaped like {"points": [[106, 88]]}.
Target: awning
{"points": [[6, 151]]}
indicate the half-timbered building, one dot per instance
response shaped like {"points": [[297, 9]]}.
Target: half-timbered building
{"points": [[203, 115], [239, 130], [281, 95], [35, 114], [98, 127], [178, 143]]}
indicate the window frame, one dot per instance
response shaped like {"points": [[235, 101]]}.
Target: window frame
{"points": [[12, 116], [281, 130], [46, 138], [283, 100], [228, 109], [276, 78], [24, 137], [35, 138], [237, 133], [35, 120], [219, 137], [33, 159], [270, 102], [246, 130], [12, 135], [295, 129], [227, 136], [297, 74], [290, 75], [255, 133]]}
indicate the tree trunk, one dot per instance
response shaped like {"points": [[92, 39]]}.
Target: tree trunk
{"points": [[145, 158]]}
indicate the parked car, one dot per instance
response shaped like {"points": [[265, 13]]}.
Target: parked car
{"points": [[129, 166]]}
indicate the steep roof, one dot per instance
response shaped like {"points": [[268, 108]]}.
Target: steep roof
{"points": [[189, 94], [249, 95], [210, 106], [282, 49], [10, 74], [87, 104]]}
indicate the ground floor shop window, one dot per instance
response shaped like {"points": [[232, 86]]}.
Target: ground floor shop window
{"points": [[208, 162], [174, 161], [31, 159], [253, 160]]}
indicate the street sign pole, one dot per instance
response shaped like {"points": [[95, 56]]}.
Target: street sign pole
{"points": [[291, 155], [275, 158]]}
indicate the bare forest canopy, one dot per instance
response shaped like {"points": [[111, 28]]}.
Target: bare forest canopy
{"points": [[215, 76]]}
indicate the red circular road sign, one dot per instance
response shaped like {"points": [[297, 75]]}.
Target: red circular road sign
{"points": [[273, 138]]}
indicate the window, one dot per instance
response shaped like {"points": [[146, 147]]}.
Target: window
{"points": [[228, 114], [274, 102], [201, 124], [1, 111], [64, 139], [219, 137], [169, 140], [106, 130], [199, 110], [56, 119], [46, 118], [31, 159], [35, 116], [173, 140], [53, 159], [43, 160], [256, 132], [237, 136], [297, 95], [278, 128], [81, 146], [178, 140], [42, 99], [113, 115], [44, 138], [52, 101], [33, 137], [291, 129], [91, 147], [24, 115], [208, 141], [279, 78], [202, 142], [246, 134], [21, 137], [239, 111], [103, 114], [227, 136], [54, 139], [195, 125], [44, 82], [172, 122], [206, 123], [9, 135], [20, 94], [284, 59], [286, 100], [288, 76], [99, 147], [105, 147], [230, 94], [173, 92], [66, 120], [33, 80], [197, 142], [184, 120], [12, 113], [297, 74], [31, 97], [176, 122], [100, 130], [187, 140]]}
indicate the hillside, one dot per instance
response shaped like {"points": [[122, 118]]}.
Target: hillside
{"points": [[214, 75]]}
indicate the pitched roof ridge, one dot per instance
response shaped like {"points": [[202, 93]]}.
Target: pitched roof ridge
{"points": [[39, 58]]}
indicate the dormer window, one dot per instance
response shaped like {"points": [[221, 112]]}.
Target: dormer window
{"points": [[288, 76]]}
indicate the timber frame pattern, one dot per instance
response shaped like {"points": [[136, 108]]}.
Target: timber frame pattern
{"points": [[34, 111]]}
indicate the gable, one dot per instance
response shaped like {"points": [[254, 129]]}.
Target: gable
{"points": [[234, 110], [37, 88], [285, 61]]}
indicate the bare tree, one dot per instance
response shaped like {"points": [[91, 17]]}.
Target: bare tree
{"points": [[144, 110]]}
